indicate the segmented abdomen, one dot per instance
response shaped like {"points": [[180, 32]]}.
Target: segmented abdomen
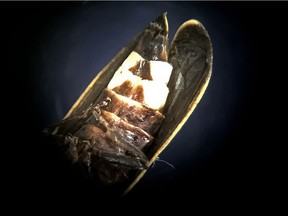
{"points": [[130, 107], [115, 132]]}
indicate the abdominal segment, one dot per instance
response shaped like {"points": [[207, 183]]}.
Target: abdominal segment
{"points": [[113, 135], [128, 116]]}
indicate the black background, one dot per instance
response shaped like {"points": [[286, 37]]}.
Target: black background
{"points": [[52, 50]]}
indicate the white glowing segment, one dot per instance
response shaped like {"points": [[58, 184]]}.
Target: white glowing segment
{"points": [[155, 94], [122, 75], [128, 101], [160, 71], [155, 91], [132, 60]]}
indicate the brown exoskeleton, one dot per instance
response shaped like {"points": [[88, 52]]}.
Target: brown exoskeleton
{"points": [[135, 106]]}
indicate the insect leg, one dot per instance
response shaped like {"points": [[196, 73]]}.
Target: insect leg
{"points": [[93, 143]]}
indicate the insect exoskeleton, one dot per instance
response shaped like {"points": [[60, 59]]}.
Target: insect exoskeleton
{"points": [[134, 107], [128, 115]]}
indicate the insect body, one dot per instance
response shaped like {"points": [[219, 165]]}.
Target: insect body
{"points": [[138, 102], [120, 125]]}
